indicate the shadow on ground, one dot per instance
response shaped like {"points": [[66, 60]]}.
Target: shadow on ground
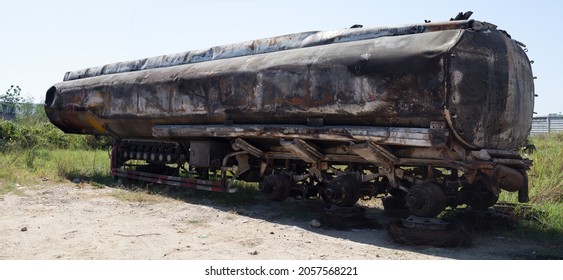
{"points": [[494, 241]]}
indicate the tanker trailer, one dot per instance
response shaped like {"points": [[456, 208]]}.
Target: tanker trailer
{"points": [[427, 115]]}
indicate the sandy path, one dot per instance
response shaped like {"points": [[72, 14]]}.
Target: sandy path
{"points": [[66, 221]]}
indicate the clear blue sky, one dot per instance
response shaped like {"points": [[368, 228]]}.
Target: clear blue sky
{"points": [[41, 40]]}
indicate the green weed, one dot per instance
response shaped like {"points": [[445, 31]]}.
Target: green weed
{"points": [[545, 189]]}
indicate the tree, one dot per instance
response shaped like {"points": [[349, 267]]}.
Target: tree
{"points": [[12, 96], [10, 102], [31, 113]]}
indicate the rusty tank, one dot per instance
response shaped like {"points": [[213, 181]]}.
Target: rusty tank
{"points": [[427, 115]]}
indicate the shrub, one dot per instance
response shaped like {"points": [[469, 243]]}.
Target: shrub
{"points": [[16, 135]]}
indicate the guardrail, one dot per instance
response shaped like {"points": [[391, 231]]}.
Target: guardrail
{"points": [[546, 125]]}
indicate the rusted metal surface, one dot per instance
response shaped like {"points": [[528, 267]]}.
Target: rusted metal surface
{"points": [[429, 112], [501, 115], [419, 137], [368, 77]]}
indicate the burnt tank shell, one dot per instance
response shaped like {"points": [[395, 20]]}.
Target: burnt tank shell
{"points": [[465, 73]]}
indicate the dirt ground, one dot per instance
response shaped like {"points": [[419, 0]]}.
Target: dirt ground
{"points": [[79, 221]]}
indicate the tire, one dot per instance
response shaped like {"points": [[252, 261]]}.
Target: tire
{"points": [[454, 236], [345, 189], [276, 187], [426, 200]]}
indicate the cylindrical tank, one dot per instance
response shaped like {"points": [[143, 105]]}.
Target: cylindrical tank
{"points": [[465, 73]]}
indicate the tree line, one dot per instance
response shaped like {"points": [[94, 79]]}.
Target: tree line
{"points": [[24, 125]]}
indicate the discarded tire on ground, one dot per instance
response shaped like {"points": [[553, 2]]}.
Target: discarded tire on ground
{"points": [[454, 235], [345, 218]]}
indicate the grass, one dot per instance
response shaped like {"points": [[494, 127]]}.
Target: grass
{"points": [[545, 224], [34, 166], [546, 191], [195, 222], [137, 196], [546, 175]]}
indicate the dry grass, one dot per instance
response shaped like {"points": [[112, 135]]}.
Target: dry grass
{"points": [[137, 196]]}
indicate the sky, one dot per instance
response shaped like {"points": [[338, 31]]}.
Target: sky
{"points": [[41, 40]]}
